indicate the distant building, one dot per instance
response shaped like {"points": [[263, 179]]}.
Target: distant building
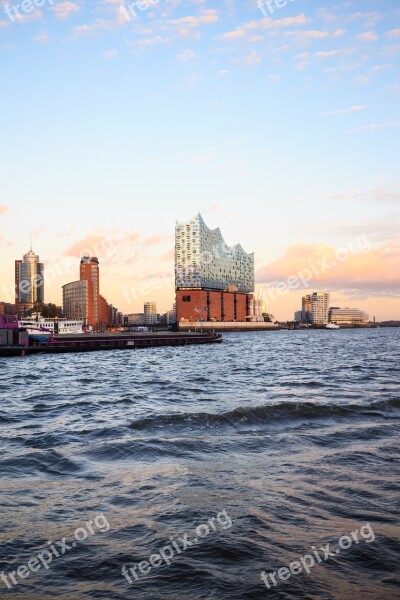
{"points": [[89, 271], [7, 309], [306, 309], [319, 308], [305, 314], [29, 282], [171, 316], [82, 299], [347, 316], [150, 313], [213, 282], [134, 319], [76, 301]]}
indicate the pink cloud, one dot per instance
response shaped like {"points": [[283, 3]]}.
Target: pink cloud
{"points": [[354, 266], [98, 245]]}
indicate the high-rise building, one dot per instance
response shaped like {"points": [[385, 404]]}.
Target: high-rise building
{"points": [[304, 315], [306, 308], [29, 282], [319, 308], [150, 313], [89, 271], [82, 299], [214, 282], [347, 316]]}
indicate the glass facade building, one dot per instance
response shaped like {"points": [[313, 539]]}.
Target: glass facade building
{"points": [[76, 300], [348, 316], [204, 261], [30, 279]]}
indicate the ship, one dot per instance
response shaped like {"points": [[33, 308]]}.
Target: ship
{"points": [[55, 326]]}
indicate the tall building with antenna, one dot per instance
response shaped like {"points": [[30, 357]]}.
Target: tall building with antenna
{"points": [[29, 282]]}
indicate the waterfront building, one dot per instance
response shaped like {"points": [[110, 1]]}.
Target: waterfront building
{"points": [[7, 309], [204, 261], [171, 316], [89, 271], [306, 309], [82, 299], [134, 319], [29, 282], [319, 308], [348, 316], [214, 282], [76, 301], [150, 313], [314, 309]]}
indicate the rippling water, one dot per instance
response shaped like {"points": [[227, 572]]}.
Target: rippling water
{"points": [[292, 436]]}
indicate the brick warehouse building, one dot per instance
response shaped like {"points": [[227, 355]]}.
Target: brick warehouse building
{"points": [[214, 282]]}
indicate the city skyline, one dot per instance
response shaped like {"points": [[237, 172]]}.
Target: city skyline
{"points": [[282, 129], [217, 250]]}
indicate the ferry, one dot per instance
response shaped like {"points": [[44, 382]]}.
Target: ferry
{"points": [[60, 326], [332, 326]]}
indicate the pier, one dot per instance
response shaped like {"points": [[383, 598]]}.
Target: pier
{"points": [[14, 342]]}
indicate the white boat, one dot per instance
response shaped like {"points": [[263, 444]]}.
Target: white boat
{"points": [[332, 326], [60, 326], [37, 333]]}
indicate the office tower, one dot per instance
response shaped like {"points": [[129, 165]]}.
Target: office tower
{"points": [[29, 282], [82, 299], [89, 271]]}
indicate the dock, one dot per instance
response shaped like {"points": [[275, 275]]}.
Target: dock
{"points": [[62, 344]]}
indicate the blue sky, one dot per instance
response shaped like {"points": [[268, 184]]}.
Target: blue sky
{"points": [[281, 129]]}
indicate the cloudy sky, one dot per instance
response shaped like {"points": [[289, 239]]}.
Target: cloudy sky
{"points": [[279, 122]]}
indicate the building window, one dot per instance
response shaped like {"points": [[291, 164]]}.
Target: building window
{"points": [[186, 299]]}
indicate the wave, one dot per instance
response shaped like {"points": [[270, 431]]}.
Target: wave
{"points": [[266, 414]]}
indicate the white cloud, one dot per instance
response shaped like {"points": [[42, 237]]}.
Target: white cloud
{"points": [[394, 33], [63, 10], [185, 56], [376, 126], [42, 38], [368, 36], [110, 53], [345, 111], [207, 17]]}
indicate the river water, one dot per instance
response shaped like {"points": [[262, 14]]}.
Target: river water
{"points": [[264, 449]]}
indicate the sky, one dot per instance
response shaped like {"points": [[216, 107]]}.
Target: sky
{"points": [[278, 121]]}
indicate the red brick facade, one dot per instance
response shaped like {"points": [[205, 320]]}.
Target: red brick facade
{"points": [[99, 311], [202, 305]]}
